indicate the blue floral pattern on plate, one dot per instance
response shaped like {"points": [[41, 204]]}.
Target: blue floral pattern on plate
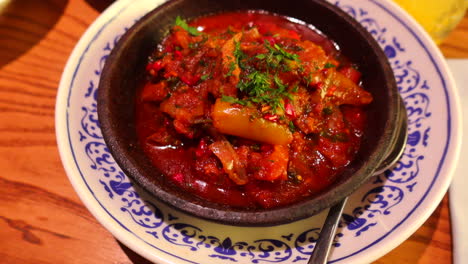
{"points": [[391, 187], [381, 197]]}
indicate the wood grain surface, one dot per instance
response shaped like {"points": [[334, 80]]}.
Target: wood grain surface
{"points": [[42, 220]]}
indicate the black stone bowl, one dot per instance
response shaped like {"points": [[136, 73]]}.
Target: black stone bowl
{"points": [[125, 67]]}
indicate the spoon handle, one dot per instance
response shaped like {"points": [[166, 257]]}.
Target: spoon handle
{"points": [[327, 234]]}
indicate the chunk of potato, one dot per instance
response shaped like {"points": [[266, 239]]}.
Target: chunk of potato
{"points": [[241, 121]]}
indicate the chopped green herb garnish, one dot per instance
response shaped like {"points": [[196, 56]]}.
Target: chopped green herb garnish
{"points": [[205, 77], [233, 100], [281, 87], [260, 82], [292, 127], [308, 79], [301, 68], [295, 88], [239, 54], [286, 67], [183, 24], [260, 89], [232, 67], [329, 65], [277, 57], [260, 56], [286, 54], [257, 83]]}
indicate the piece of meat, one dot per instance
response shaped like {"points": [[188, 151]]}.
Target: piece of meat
{"points": [[186, 107]]}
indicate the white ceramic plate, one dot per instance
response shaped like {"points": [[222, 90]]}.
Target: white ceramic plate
{"points": [[379, 216]]}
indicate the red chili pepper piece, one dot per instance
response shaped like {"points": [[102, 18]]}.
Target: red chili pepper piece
{"points": [[289, 110], [185, 79], [195, 79], [190, 80], [202, 148], [156, 66], [271, 117], [178, 54], [178, 177]]}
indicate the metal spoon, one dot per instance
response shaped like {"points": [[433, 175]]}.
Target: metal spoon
{"points": [[327, 234]]}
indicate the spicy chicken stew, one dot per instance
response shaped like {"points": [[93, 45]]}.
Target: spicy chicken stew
{"points": [[250, 110]]}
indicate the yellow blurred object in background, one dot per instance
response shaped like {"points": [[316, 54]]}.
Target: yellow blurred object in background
{"points": [[438, 17]]}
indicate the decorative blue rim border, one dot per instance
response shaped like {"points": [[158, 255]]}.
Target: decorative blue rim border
{"points": [[70, 141], [439, 167], [449, 133]]}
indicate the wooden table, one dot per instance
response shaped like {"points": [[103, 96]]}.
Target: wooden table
{"points": [[42, 220]]}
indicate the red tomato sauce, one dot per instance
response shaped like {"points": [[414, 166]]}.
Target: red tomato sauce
{"points": [[250, 109]]}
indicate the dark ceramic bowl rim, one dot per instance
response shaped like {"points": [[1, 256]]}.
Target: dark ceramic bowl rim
{"points": [[122, 153]]}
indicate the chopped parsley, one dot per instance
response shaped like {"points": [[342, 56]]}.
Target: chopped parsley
{"points": [[286, 67], [256, 84], [260, 90], [260, 82], [292, 127], [329, 65], [205, 77], [295, 88], [308, 79], [286, 54], [277, 57], [282, 87], [279, 53], [232, 67], [233, 100], [239, 55], [183, 24], [261, 56]]}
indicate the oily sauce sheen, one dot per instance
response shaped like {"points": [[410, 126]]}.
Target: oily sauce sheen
{"points": [[249, 109]]}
